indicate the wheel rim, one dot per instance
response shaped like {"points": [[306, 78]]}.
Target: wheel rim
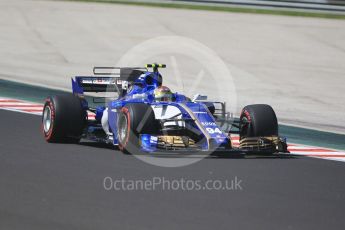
{"points": [[47, 119], [123, 128], [243, 127]]}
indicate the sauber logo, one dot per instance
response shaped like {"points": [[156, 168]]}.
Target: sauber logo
{"points": [[208, 124]]}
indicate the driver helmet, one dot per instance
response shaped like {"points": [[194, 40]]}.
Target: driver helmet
{"points": [[163, 93]]}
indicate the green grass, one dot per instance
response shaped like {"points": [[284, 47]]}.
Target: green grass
{"points": [[222, 8]]}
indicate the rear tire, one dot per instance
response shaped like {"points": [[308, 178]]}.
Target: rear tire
{"points": [[133, 120], [258, 120], [63, 119]]}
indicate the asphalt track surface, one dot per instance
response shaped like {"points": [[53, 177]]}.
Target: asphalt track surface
{"points": [[60, 186]]}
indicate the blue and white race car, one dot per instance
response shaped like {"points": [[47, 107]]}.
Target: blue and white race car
{"points": [[140, 115]]}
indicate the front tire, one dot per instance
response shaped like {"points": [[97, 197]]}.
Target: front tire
{"points": [[258, 120], [63, 119], [133, 120]]}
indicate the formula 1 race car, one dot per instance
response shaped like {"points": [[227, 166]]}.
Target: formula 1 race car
{"points": [[140, 115]]}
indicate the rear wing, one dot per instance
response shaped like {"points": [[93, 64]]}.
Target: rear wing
{"points": [[83, 84], [106, 79]]}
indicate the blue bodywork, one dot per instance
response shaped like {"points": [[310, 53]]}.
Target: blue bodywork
{"points": [[142, 91]]}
